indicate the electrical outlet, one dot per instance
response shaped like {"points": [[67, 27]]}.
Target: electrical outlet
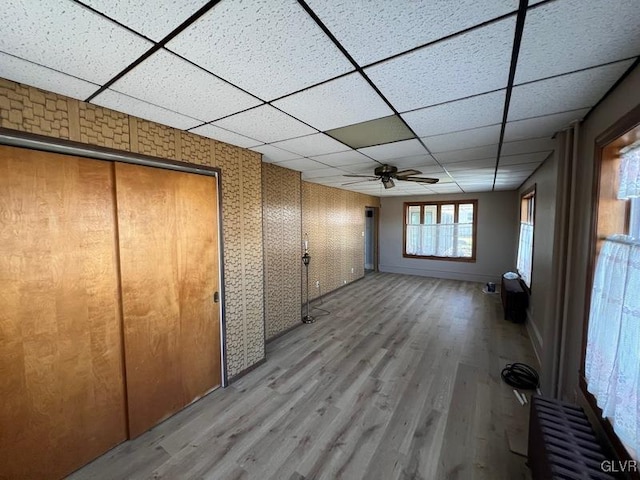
{"points": [[352, 270], [345, 282], [317, 283]]}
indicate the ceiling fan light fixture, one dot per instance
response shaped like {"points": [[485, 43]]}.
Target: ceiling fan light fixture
{"points": [[388, 182]]}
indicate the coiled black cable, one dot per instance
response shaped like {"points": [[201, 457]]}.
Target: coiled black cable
{"points": [[520, 375]]}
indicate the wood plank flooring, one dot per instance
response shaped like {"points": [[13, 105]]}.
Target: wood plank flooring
{"points": [[400, 381]]}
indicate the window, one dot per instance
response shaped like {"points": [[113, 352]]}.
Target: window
{"points": [[525, 242], [612, 351], [441, 230]]}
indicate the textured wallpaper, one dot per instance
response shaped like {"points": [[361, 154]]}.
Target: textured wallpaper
{"points": [[31, 110]]}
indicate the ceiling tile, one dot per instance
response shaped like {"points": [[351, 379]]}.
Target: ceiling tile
{"points": [[374, 132], [321, 172], [474, 164], [276, 38], [226, 136], [523, 158], [477, 153], [312, 145], [342, 159], [301, 164], [154, 19], [478, 111], [265, 123], [415, 161], [518, 169], [478, 61], [133, 106], [271, 154], [475, 137], [386, 28], [344, 101], [527, 146], [570, 35], [566, 92], [170, 82], [539, 127], [22, 71], [69, 38], [390, 151]]}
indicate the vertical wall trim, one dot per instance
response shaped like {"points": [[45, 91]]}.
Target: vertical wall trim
{"points": [[73, 108]]}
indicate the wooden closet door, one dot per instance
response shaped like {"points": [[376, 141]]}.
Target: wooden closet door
{"points": [[169, 268], [62, 397]]}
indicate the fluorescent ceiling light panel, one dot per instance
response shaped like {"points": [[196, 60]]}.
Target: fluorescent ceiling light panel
{"points": [[386, 28], [312, 145], [344, 101], [566, 92], [475, 137], [473, 112], [374, 132], [527, 146], [69, 38], [477, 153], [341, 159], [226, 136], [391, 151], [155, 19], [478, 61], [167, 80], [267, 47], [541, 126], [22, 71], [265, 123], [133, 106], [271, 154], [570, 35]]}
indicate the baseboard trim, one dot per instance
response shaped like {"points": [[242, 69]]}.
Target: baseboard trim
{"points": [[534, 337], [448, 275], [238, 376]]}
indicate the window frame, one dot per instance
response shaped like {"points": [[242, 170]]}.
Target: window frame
{"points": [[609, 215], [528, 194], [438, 204]]}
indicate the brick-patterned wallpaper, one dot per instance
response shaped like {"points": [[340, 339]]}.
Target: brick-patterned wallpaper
{"points": [[31, 110], [334, 220], [281, 217]]}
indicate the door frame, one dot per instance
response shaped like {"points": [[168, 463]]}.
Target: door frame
{"points": [[375, 234], [32, 141]]}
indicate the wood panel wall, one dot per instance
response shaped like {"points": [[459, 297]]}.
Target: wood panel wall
{"points": [[32, 110]]}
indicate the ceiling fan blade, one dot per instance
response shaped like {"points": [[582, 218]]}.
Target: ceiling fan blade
{"points": [[420, 179], [361, 176], [406, 173], [359, 181]]}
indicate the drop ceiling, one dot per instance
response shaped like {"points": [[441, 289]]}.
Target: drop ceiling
{"points": [[469, 92]]}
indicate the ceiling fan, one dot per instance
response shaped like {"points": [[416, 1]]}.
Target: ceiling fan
{"points": [[387, 173]]}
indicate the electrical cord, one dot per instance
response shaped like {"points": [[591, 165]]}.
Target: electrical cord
{"points": [[320, 301], [520, 375]]}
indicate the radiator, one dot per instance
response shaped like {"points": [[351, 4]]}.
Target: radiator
{"points": [[562, 443]]}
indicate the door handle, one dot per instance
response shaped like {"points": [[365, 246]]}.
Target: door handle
{"points": [[216, 297]]}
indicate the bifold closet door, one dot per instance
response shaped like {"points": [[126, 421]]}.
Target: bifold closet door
{"points": [[62, 400], [168, 224]]}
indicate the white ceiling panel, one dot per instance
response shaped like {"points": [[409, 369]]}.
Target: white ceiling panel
{"points": [[474, 164], [445, 188], [567, 92], [478, 61], [338, 103], [390, 151], [539, 127], [526, 146], [523, 158], [342, 159], [271, 154], [69, 38], [474, 112], [301, 164], [475, 137], [467, 154], [133, 106], [265, 123], [19, 70], [154, 19], [282, 49], [226, 136], [170, 82], [415, 161], [569, 35], [321, 172], [518, 169], [386, 28], [312, 145]]}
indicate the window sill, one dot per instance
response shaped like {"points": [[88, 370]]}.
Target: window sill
{"points": [[444, 259]]}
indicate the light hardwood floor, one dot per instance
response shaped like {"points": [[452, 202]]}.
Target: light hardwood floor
{"points": [[400, 381]]}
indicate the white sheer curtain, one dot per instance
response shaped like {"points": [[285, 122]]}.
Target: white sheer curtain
{"points": [[441, 240], [525, 252], [630, 173], [612, 362]]}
